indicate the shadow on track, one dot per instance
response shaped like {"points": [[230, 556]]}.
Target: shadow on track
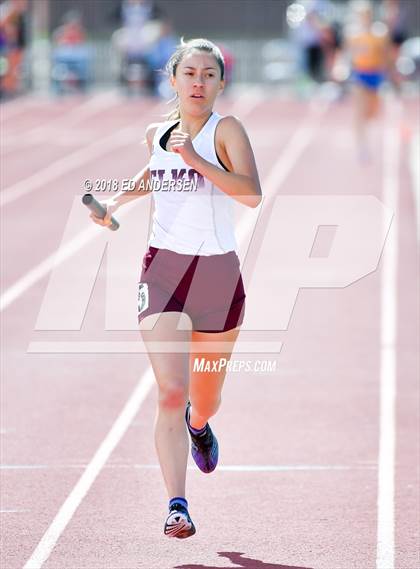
{"points": [[240, 562]]}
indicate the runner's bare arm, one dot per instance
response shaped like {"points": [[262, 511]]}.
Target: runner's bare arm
{"points": [[137, 188], [242, 183]]}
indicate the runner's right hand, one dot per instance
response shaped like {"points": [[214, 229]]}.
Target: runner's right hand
{"points": [[110, 207]]}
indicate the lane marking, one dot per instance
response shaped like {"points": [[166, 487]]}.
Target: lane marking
{"points": [[61, 166], [23, 466], [246, 102], [13, 108], [385, 550], [267, 468], [48, 129], [13, 511], [295, 147], [42, 269], [74, 499], [415, 176], [4, 431], [110, 347], [222, 467]]}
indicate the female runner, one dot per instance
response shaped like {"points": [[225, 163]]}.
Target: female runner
{"points": [[191, 265], [367, 43]]}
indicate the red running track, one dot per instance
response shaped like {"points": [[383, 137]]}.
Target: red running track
{"points": [[301, 484]]}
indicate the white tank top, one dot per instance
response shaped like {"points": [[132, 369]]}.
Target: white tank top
{"points": [[199, 219]]}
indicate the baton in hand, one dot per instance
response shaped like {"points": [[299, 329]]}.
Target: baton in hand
{"points": [[99, 210]]}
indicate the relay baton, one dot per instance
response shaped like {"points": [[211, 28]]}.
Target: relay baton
{"points": [[99, 210]]}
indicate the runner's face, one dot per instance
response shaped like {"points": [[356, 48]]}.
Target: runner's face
{"points": [[197, 82]]}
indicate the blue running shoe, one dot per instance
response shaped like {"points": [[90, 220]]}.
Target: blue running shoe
{"points": [[204, 447], [178, 523]]}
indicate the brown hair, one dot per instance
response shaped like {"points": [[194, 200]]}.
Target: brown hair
{"points": [[184, 48]]}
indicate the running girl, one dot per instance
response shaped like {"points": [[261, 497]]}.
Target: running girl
{"points": [[367, 43], [190, 287]]}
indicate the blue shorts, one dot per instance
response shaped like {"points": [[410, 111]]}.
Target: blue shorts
{"points": [[372, 80]]}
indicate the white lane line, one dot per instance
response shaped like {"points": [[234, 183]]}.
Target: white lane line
{"points": [[13, 108], [221, 467], [14, 511], [64, 515], [300, 140], [385, 551], [86, 109], [415, 176], [70, 162], [43, 268], [265, 467], [58, 525], [127, 347], [23, 466], [4, 431], [246, 102]]}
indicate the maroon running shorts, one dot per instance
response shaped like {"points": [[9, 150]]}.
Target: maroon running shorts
{"points": [[207, 288]]}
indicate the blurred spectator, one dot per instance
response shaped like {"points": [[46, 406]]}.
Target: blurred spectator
{"points": [[133, 42], [71, 57], [395, 17], [135, 13], [12, 45], [229, 63], [312, 34], [157, 56], [144, 43], [333, 42]]}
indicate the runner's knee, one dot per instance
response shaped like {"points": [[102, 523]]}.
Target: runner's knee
{"points": [[206, 407], [173, 396]]}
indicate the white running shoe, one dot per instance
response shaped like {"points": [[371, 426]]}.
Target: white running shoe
{"points": [[178, 523]]}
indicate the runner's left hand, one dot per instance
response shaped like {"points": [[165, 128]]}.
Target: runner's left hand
{"points": [[181, 143]]}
